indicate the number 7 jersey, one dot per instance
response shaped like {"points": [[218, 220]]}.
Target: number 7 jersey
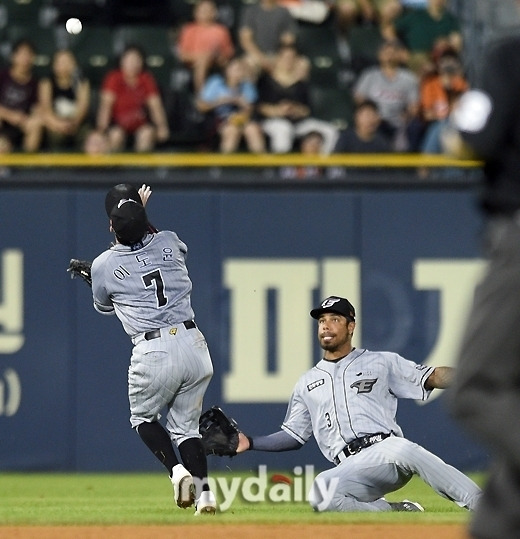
{"points": [[355, 396], [147, 288]]}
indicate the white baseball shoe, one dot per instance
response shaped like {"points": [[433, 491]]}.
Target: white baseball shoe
{"points": [[183, 486], [206, 504]]}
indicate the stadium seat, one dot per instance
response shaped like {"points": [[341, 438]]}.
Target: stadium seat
{"points": [[188, 127], [94, 50], [156, 12], [228, 14], [3, 21], [22, 11], [181, 11], [89, 12], [332, 105], [318, 43], [364, 43]]}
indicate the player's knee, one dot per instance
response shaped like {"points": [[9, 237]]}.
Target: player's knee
{"points": [[314, 499], [323, 493]]}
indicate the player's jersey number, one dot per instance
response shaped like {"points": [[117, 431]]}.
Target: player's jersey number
{"points": [[155, 279]]}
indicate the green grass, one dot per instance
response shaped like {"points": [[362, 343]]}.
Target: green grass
{"points": [[83, 499]]}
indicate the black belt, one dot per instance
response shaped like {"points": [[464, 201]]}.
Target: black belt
{"points": [[149, 335], [357, 444]]}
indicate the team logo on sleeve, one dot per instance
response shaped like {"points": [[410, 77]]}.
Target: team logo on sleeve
{"points": [[314, 385], [364, 386]]}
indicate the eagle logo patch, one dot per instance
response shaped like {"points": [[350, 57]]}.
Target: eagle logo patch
{"points": [[364, 386]]}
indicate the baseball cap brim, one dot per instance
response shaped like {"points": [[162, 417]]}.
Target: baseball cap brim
{"points": [[316, 313]]}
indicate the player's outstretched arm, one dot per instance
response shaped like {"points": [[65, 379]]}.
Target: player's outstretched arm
{"points": [[440, 378], [276, 442], [221, 436]]}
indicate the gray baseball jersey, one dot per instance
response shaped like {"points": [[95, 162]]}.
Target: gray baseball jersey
{"points": [[357, 396], [351, 398], [149, 290]]}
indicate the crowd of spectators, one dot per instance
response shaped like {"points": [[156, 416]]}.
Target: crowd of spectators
{"points": [[250, 83]]}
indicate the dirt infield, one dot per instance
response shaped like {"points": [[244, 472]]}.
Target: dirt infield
{"points": [[245, 531]]}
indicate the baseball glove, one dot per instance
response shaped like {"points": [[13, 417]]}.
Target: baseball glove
{"points": [[219, 433], [81, 269]]}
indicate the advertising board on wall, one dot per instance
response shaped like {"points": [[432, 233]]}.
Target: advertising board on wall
{"points": [[259, 261]]}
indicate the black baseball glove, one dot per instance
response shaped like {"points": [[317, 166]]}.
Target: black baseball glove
{"points": [[219, 433], [81, 269]]}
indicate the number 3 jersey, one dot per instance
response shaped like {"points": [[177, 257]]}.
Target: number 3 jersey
{"points": [[338, 401], [147, 287]]}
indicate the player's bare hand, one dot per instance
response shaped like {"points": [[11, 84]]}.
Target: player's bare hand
{"points": [[145, 192], [243, 443]]}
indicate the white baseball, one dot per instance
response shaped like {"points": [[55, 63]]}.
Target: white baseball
{"points": [[73, 26]]}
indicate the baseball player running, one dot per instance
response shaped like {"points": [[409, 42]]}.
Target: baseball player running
{"points": [[143, 279], [349, 402]]}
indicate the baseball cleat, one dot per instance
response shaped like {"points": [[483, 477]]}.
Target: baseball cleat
{"points": [[183, 487], [406, 505], [206, 504]]}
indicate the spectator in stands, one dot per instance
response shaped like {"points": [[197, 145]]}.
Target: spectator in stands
{"points": [[310, 144], [431, 142], [436, 89], [387, 12], [5, 147], [351, 12], [20, 111], [394, 89], [204, 44], [437, 93], [131, 105], [376, 12], [284, 105], [263, 28], [422, 30], [230, 98], [65, 101], [364, 135], [96, 143]]}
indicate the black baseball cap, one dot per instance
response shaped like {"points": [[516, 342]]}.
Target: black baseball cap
{"points": [[129, 221], [335, 304], [119, 192]]}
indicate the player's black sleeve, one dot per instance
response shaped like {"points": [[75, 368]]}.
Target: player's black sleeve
{"points": [[278, 441]]}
